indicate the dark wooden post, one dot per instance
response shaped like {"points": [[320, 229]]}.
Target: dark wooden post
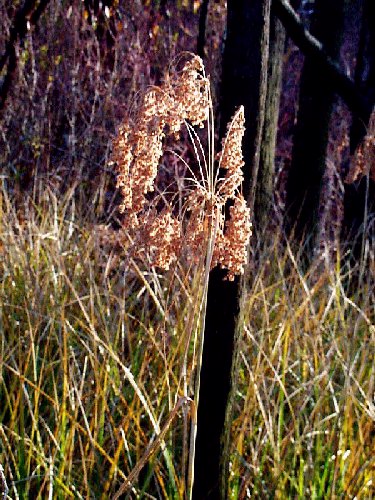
{"points": [[244, 82], [311, 133], [265, 181], [357, 194]]}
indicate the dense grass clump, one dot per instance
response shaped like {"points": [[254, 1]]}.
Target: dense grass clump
{"points": [[97, 356], [91, 358], [305, 414]]}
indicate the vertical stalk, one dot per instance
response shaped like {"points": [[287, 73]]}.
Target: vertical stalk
{"points": [[197, 381]]}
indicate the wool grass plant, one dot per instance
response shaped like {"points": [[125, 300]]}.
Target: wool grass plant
{"points": [[161, 234], [199, 229]]}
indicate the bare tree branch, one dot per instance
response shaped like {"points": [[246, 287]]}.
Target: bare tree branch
{"points": [[359, 103]]}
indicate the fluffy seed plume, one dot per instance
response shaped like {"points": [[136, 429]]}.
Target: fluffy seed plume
{"points": [[138, 150], [163, 237], [232, 247], [151, 222], [364, 159], [189, 91], [230, 158]]}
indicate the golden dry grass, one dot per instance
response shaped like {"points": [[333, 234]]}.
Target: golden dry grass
{"points": [[97, 362]]}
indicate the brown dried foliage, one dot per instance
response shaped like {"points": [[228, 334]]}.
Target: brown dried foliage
{"points": [[363, 162], [163, 236]]}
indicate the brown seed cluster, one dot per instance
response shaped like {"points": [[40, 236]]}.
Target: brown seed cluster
{"points": [[231, 247], [138, 148], [162, 238], [230, 158], [364, 158], [139, 145]]}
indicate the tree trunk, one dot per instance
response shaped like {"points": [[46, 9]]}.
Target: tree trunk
{"points": [[363, 191], [365, 71], [360, 104], [28, 14], [244, 78], [201, 41], [265, 181], [311, 134], [243, 83], [221, 316]]}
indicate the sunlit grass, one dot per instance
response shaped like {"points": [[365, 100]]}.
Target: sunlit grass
{"points": [[92, 366], [305, 415], [97, 356]]}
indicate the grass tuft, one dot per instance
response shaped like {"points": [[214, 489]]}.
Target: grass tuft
{"points": [[97, 369]]}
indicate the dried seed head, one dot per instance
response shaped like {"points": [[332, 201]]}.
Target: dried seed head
{"points": [[138, 149], [162, 232], [137, 152], [189, 91], [122, 156], [231, 252], [230, 158], [363, 162]]}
